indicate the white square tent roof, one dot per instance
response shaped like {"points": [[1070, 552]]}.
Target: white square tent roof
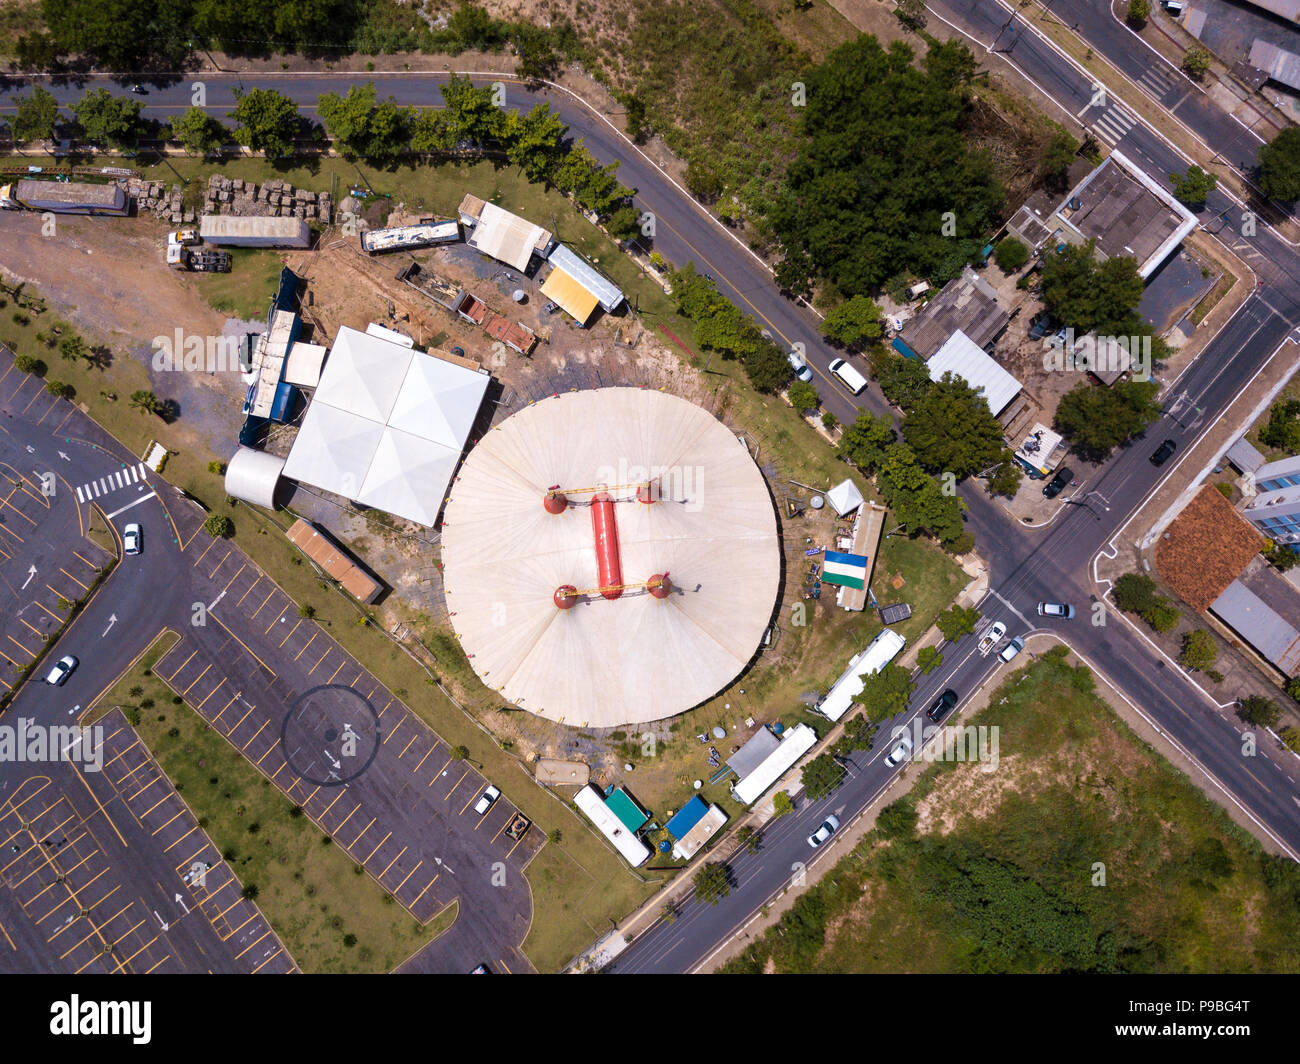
{"points": [[387, 426], [844, 497], [963, 358]]}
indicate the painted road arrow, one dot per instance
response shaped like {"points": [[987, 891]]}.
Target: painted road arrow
{"points": [[112, 620], [30, 573]]}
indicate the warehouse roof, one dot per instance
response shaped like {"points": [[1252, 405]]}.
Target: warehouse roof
{"points": [[504, 236], [1263, 608], [573, 299], [963, 358], [218, 227], [607, 293], [87, 193], [1279, 64], [967, 303]]}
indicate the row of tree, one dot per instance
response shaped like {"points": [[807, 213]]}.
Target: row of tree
{"points": [[141, 34], [364, 127]]}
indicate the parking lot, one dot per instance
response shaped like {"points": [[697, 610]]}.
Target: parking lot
{"points": [[114, 875], [366, 770]]}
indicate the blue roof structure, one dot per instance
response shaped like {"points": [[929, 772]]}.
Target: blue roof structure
{"points": [[687, 817]]}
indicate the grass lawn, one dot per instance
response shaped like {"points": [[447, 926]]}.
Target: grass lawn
{"points": [[1084, 850], [310, 890], [245, 292]]}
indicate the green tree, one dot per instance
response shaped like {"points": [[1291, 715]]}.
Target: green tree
{"points": [[1005, 480], [859, 733], [853, 323], [1138, 13], [265, 121], [803, 396], [1196, 62], [365, 127], [27, 364], [748, 838], [885, 693], [897, 820], [1193, 187], [1096, 419], [1090, 295], [1283, 428], [957, 621], [198, 132], [636, 121], [1259, 710], [766, 366], [712, 882], [471, 112], [34, 116], [1279, 166], [864, 442], [219, 526], [782, 804], [1135, 592], [533, 141], [1058, 156], [951, 429], [148, 403], [903, 380], [59, 390], [1199, 650], [928, 659], [821, 776], [107, 119], [72, 348], [433, 132], [459, 753], [1010, 254], [117, 34]]}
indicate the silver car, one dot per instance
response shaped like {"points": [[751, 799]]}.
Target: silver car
{"points": [[132, 541], [829, 826], [61, 671], [800, 367], [901, 752]]}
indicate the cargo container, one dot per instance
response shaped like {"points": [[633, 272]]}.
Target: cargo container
{"points": [[66, 197], [409, 237], [232, 230]]}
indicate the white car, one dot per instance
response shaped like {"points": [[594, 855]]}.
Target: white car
{"points": [[1012, 649], [829, 826], [1056, 609], [485, 802], [131, 539], [800, 367], [901, 752], [61, 671], [992, 637]]}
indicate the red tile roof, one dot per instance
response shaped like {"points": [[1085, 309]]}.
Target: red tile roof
{"points": [[1205, 548]]}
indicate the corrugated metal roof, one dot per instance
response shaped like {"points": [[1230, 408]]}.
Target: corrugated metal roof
{"points": [[1260, 625], [573, 298], [687, 817], [1279, 64], [608, 294], [507, 237], [753, 753], [963, 358], [1244, 457]]}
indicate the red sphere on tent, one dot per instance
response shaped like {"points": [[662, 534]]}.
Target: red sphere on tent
{"points": [[659, 586], [555, 502], [566, 596]]}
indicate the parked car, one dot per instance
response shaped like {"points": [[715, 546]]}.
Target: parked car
{"points": [[1057, 484], [1056, 609], [992, 637], [1012, 649], [829, 826], [853, 380], [1163, 452], [61, 671], [801, 368], [132, 542], [901, 752], [941, 706], [485, 801]]}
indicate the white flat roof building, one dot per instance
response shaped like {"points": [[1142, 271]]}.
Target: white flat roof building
{"points": [[961, 357], [592, 804], [794, 744]]}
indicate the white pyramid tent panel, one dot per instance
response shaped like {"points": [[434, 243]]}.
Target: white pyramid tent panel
{"points": [[333, 450], [363, 374], [438, 401]]}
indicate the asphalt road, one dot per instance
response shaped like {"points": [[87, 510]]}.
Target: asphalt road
{"points": [[1025, 565]]}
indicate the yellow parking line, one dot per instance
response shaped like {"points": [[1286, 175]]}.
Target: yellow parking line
{"points": [[156, 804], [140, 950], [20, 646], [197, 679], [360, 833], [278, 618], [337, 671], [183, 664], [220, 684], [346, 819], [220, 564], [84, 559], [183, 837], [179, 812], [226, 706], [258, 762], [437, 775], [252, 944], [376, 849], [234, 578], [264, 602], [392, 862], [291, 631], [385, 709], [322, 658], [424, 891], [236, 638], [166, 957], [250, 588], [328, 807], [255, 735], [234, 931], [408, 876], [423, 759], [84, 587], [205, 552], [393, 732], [472, 795], [408, 746], [515, 846], [36, 630], [9, 659], [306, 645], [266, 962], [241, 720]]}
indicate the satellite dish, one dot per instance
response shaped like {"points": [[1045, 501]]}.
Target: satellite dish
{"points": [[817, 502], [719, 732], [519, 295], [698, 784]]}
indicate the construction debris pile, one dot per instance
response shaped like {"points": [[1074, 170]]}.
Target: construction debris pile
{"points": [[157, 197], [234, 195]]}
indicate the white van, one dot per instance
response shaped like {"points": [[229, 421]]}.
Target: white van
{"points": [[856, 381]]}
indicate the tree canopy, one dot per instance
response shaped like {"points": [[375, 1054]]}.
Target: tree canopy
{"points": [[107, 119], [1193, 187], [1089, 295], [853, 322], [265, 121], [34, 116], [198, 132], [1279, 166], [951, 430], [883, 164], [365, 127], [1096, 419]]}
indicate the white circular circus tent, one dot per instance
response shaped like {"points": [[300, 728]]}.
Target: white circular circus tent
{"points": [[646, 593]]}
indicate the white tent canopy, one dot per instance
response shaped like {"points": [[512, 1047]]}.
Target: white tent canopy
{"points": [[963, 358], [637, 658], [386, 426], [845, 497]]}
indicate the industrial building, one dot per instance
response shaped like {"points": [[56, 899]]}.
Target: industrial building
{"points": [[621, 531], [502, 235], [255, 231], [693, 825], [967, 303], [578, 287], [387, 425], [1119, 207], [1263, 608], [963, 358], [66, 197]]}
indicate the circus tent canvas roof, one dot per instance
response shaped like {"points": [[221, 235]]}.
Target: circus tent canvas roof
{"points": [[638, 658], [386, 426]]}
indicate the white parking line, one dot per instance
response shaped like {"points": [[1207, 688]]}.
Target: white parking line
{"points": [[137, 502]]}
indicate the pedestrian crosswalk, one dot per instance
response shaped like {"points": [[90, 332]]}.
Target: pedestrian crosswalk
{"points": [[1160, 80], [106, 485], [1112, 124]]}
